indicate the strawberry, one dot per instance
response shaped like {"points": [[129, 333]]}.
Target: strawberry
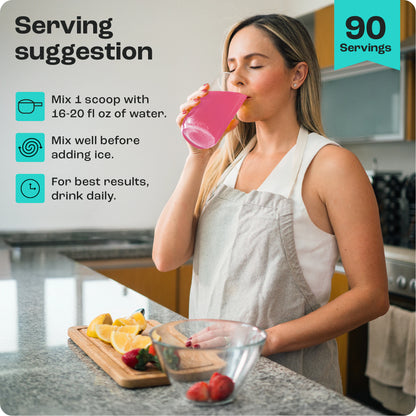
{"points": [[198, 392], [130, 358], [214, 375], [139, 357], [220, 387], [152, 350]]}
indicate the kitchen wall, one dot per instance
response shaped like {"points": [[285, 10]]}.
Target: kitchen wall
{"points": [[397, 156]]}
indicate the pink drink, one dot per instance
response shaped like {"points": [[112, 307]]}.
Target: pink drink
{"points": [[205, 124]]}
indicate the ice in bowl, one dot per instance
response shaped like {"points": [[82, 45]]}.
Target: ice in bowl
{"points": [[212, 371]]}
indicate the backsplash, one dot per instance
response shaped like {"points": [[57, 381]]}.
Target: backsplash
{"points": [[391, 167], [397, 156]]}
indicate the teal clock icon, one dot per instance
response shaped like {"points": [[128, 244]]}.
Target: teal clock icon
{"points": [[30, 188]]}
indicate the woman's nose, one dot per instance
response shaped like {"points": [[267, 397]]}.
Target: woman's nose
{"points": [[236, 78]]}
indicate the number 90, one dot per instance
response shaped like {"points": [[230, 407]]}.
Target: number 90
{"points": [[357, 23]]}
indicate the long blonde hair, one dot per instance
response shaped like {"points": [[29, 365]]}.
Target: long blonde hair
{"points": [[293, 42]]}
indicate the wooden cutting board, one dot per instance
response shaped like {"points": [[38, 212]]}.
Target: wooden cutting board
{"points": [[106, 357]]}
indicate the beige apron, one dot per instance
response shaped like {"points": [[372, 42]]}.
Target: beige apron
{"points": [[246, 269]]}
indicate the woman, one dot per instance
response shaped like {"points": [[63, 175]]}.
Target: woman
{"points": [[266, 214]]}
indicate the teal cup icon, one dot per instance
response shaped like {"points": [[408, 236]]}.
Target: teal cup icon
{"points": [[27, 106]]}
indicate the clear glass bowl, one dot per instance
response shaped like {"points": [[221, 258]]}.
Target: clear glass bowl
{"points": [[231, 348]]}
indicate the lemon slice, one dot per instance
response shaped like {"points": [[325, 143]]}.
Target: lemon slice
{"points": [[121, 341], [104, 332], [104, 318], [156, 336], [141, 341], [129, 329], [124, 321], [124, 342], [140, 319]]}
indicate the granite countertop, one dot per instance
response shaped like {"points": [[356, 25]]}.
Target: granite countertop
{"points": [[44, 292]]}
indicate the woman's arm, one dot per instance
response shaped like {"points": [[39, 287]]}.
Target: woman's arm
{"points": [[175, 230], [174, 237], [346, 193]]}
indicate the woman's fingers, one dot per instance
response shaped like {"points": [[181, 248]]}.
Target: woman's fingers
{"points": [[192, 101], [214, 336]]}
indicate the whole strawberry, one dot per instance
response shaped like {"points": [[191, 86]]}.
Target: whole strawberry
{"points": [[138, 358], [130, 358], [198, 392], [220, 387]]}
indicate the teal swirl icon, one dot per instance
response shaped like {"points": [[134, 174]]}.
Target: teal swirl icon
{"points": [[30, 147]]}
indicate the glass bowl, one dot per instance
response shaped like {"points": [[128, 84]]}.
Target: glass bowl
{"points": [[229, 348]]}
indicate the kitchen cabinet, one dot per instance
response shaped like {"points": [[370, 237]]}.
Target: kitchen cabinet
{"points": [[410, 97], [170, 289], [339, 286], [324, 36]]}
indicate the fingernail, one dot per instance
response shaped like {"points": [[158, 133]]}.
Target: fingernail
{"points": [[188, 344], [204, 86], [197, 346]]}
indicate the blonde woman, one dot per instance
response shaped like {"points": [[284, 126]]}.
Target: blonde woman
{"points": [[267, 213]]}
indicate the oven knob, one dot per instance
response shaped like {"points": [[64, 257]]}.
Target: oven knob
{"points": [[412, 285], [401, 282]]}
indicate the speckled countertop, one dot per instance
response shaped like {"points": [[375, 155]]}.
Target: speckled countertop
{"points": [[42, 372]]}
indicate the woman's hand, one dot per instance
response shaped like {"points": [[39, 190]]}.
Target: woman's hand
{"points": [[192, 101], [213, 336]]}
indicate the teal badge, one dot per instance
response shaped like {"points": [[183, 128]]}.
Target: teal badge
{"points": [[30, 188], [367, 30]]}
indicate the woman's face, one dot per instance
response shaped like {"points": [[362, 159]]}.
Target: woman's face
{"points": [[258, 70]]}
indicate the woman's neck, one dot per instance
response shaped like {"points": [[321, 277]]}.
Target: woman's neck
{"points": [[276, 137]]}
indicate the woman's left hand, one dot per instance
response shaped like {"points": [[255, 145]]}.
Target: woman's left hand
{"points": [[214, 336]]}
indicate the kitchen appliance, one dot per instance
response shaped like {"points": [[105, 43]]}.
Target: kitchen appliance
{"points": [[396, 201], [401, 280], [409, 192]]}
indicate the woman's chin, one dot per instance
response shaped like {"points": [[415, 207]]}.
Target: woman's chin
{"points": [[245, 116]]}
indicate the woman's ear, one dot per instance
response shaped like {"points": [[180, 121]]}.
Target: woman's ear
{"points": [[300, 71]]}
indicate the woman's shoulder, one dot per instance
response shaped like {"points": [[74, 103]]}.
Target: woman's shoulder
{"points": [[330, 155], [333, 164]]}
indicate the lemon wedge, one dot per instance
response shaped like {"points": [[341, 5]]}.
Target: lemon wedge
{"points": [[104, 332], [141, 341], [129, 329], [156, 336], [124, 342], [140, 319], [104, 318], [124, 321]]}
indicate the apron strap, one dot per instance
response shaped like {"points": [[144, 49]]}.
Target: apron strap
{"points": [[298, 157]]}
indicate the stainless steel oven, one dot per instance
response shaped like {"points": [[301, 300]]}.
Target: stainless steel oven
{"points": [[401, 275]]}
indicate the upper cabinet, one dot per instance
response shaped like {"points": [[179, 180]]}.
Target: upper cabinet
{"points": [[324, 36]]}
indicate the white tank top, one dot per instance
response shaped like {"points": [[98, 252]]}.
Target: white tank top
{"points": [[317, 250]]}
